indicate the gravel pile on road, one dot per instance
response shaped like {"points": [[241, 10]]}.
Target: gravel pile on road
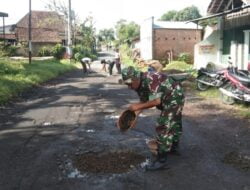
{"points": [[107, 163]]}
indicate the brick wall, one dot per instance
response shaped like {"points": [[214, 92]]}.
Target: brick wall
{"points": [[177, 40]]}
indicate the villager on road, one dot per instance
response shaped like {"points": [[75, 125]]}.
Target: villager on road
{"points": [[86, 61]]}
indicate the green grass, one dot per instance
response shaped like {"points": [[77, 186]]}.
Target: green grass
{"points": [[16, 76]]}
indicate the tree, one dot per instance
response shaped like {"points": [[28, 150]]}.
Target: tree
{"points": [[189, 13], [106, 36], [87, 33], [169, 16], [62, 9], [126, 32]]}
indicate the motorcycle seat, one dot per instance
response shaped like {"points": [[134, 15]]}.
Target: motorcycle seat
{"points": [[244, 80], [209, 73]]}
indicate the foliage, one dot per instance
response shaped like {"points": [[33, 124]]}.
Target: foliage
{"points": [[87, 33], [209, 22], [8, 50], [106, 36], [126, 32], [179, 65], [58, 51], [16, 76], [188, 13], [45, 51], [186, 57], [78, 56], [80, 51], [169, 16]]}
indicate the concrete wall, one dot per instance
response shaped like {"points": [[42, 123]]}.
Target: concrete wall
{"points": [[206, 51], [146, 37], [177, 40]]}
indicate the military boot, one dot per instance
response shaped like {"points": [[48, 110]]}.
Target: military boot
{"points": [[159, 163], [174, 148]]}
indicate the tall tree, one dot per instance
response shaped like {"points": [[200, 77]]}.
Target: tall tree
{"points": [[126, 31], [106, 36], [188, 13], [88, 37], [169, 16]]}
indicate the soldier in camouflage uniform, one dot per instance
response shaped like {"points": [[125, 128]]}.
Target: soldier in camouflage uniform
{"points": [[158, 90]]}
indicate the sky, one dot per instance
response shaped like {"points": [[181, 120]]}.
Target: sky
{"points": [[105, 12]]}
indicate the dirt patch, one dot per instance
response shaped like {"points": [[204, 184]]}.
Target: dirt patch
{"points": [[237, 160], [112, 162]]}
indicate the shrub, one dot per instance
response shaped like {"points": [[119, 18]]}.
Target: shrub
{"points": [[81, 51], [58, 51], [44, 51], [186, 57], [8, 50], [78, 56]]}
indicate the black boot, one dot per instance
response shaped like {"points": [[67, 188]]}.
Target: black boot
{"points": [[159, 163], [174, 148]]}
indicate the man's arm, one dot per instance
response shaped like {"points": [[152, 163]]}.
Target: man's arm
{"points": [[145, 105]]}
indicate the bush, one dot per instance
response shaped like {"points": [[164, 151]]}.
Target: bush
{"points": [[58, 51], [8, 50], [186, 57], [78, 56], [81, 51], [44, 51]]}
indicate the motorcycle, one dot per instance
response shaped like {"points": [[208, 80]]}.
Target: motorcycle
{"points": [[237, 86], [207, 78]]}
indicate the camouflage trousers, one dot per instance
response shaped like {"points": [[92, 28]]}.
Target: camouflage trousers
{"points": [[169, 127]]}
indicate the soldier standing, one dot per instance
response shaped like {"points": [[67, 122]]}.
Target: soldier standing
{"points": [[160, 91]]}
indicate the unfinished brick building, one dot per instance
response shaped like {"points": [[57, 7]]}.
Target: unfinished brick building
{"points": [[163, 40]]}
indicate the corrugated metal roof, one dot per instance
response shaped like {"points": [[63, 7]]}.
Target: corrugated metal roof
{"points": [[2, 14], [175, 25]]}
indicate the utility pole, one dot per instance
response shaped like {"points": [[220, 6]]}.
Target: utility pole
{"points": [[69, 31], [30, 46], [3, 31]]}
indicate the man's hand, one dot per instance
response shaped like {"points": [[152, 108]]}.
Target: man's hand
{"points": [[134, 107], [145, 105]]}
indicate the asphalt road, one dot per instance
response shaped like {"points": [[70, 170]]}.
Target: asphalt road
{"points": [[44, 130]]}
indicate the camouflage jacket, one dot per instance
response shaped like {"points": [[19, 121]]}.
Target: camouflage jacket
{"points": [[158, 85]]}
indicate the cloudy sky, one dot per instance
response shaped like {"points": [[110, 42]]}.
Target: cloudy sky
{"points": [[105, 12]]}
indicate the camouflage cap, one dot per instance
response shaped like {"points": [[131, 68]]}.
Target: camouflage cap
{"points": [[129, 73]]}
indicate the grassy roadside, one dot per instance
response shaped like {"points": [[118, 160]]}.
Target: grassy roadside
{"points": [[16, 76]]}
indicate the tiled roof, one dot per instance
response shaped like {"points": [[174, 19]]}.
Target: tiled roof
{"points": [[39, 35], [47, 26]]}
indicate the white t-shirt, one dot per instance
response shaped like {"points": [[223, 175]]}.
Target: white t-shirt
{"points": [[86, 59]]}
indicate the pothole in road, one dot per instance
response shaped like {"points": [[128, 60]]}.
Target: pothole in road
{"points": [[112, 162], [237, 160]]}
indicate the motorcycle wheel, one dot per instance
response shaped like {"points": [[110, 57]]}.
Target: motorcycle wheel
{"points": [[201, 86], [225, 98]]}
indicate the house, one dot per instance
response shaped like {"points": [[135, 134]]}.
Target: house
{"points": [[7, 34], [48, 29], [229, 37], [161, 39]]}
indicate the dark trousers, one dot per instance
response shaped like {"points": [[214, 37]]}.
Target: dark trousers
{"points": [[111, 65], [118, 67], [84, 67]]}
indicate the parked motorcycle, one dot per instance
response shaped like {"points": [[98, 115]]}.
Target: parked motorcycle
{"points": [[237, 86], [206, 79]]}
